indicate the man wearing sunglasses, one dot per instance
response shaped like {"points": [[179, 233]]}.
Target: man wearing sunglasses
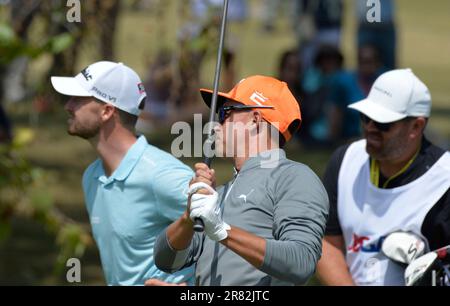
{"points": [[265, 227], [392, 180]]}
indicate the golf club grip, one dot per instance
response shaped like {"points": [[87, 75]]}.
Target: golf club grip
{"points": [[207, 161], [198, 225]]}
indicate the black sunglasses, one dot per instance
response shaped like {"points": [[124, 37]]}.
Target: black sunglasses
{"points": [[224, 111], [383, 127]]}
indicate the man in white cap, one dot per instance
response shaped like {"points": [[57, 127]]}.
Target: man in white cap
{"points": [[392, 180], [134, 190]]}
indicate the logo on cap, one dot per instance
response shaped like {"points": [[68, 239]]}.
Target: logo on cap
{"points": [[141, 88], [383, 91], [104, 95], [86, 74], [258, 98]]}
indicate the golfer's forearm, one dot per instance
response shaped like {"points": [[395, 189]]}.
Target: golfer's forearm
{"points": [[171, 252], [332, 268], [285, 260], [292, 261], [250, 247], [334, 272], [180, 233]]}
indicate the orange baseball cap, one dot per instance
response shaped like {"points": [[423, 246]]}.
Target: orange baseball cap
{"points": [[264, 91]]}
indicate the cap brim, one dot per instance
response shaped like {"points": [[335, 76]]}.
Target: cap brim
{"points": [[376, 112], [207, 97], [69, 87]]}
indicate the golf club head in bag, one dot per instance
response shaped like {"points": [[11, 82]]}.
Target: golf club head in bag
{"points": [[419, 270], [443, 275], [431, 269], [403, 247]]}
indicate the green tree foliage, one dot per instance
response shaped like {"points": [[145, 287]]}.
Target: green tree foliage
{"points": [[11, 46], [23, 193]]}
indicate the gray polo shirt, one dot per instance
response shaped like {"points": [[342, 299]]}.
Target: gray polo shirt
{"points": [[277, 199]]}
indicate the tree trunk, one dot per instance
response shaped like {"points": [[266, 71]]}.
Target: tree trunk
{"points": [[108, 13]]}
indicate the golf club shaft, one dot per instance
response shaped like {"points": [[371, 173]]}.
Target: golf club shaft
{"points": [[198, 224]]}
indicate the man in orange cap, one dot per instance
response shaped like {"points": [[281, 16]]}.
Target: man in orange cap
{"points": [[264, 227]]}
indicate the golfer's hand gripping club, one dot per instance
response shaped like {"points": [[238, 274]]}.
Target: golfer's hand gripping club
{"points": [[203, 174], [199, 226], [207, 207]]}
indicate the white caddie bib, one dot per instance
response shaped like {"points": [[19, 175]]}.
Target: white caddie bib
{"points": [[368, 214]]}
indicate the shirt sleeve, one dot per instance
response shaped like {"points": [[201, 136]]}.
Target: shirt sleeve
{"points": [[330, 181], [170, 185], [170, 260], [300, 213]]}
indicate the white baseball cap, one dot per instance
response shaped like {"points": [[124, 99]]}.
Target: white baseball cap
{"points": [[112, 83], [395, 95]]}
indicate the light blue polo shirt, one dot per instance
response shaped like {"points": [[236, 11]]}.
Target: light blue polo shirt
{"points": [[129, 209]]}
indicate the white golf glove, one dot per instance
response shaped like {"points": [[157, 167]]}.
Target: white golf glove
{"points": [[206, 208]]}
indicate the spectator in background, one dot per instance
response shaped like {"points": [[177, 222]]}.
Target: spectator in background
{"points": [[316, 91], [348, 87], [290, 71], [320, 24], [369, 67], [381, 34], [158, 85], [328, 90]]}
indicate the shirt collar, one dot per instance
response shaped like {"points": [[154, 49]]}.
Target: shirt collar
{"points": [[266, 159], [126, 165]]}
